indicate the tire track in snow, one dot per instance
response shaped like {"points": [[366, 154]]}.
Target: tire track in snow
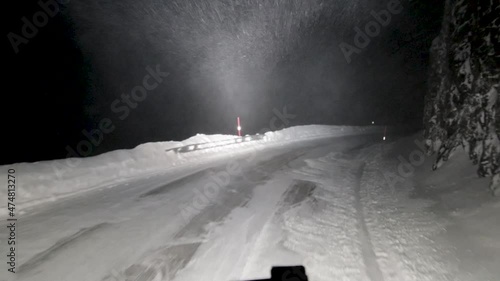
{"points": [[405, 232], [323, 230], [162, 264], [369, 257], [236, 194], [162, 189], [60, 246]]}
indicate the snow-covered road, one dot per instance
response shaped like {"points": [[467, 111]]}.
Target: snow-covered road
{"points": [[320, 203]]}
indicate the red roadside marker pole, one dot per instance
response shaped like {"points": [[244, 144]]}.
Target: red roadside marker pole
{"points": [[239, 127]]}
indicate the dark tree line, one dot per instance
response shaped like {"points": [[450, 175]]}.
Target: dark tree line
{"points": [[462, 106]]}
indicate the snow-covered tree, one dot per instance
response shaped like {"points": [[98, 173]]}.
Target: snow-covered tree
{"points": [[462, 106]]}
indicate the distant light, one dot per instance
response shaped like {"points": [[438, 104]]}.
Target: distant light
{"points": [[383, 138], [373, 122]]}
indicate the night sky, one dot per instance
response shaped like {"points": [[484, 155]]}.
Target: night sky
{"points": [[213, 60]]}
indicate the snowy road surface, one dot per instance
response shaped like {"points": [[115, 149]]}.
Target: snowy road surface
{"points": [[320, 203]]}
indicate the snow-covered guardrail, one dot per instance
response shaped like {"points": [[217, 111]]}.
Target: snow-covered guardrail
{"points": [[207, 145]]}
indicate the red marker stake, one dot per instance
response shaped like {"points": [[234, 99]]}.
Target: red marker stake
{"points": [[239, 127]]}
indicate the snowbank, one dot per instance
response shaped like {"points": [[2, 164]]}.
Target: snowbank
{"points": [[452, 206], [45, 181]]}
